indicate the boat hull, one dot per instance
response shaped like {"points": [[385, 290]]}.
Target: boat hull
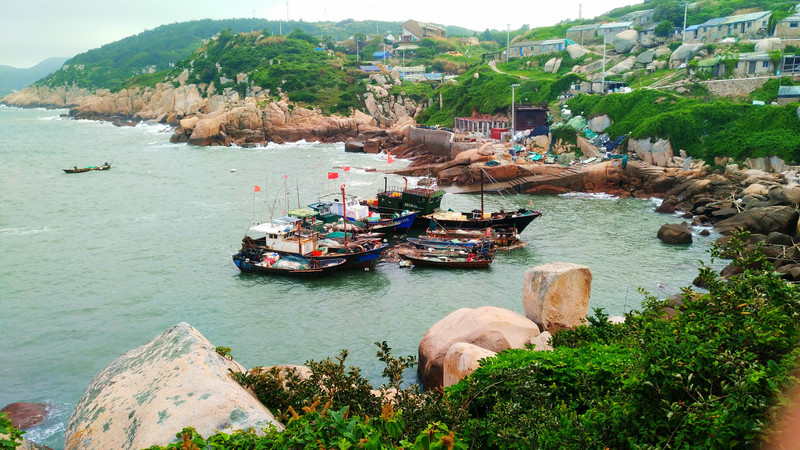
{"points": [[519, 221], [366, 259], [394, 225], [322, 268], [429, 259]]}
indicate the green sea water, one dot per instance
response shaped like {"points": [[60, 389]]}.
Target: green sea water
{"points": [[95, 264]]}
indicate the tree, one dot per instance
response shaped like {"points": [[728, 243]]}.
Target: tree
{"points": [[671, 10], [664, 28]]}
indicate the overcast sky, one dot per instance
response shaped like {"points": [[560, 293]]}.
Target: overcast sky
{"points": [[33, 30]]}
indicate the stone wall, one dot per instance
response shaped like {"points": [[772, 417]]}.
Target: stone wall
{"points": [[437, 142], [736, 87]]}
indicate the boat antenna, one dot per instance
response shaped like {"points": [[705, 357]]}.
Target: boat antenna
{"points": [[344, 216], [272, 211], [285, 194], [266, 197], [405, 186], [385, 184]]}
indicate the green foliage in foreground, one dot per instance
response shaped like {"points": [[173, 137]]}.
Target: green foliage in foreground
{"points": [[10, 437], [484, 91], [704, 129], [709, 377]]}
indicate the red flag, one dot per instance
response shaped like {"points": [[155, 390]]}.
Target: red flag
{"points": [[346, 168], [258, 188], [285, 177], [531, 202], [389, 158], [333, 175]]}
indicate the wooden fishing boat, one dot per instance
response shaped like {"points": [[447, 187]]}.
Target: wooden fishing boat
{"points": [[287, 238], [502, 237], [482, 246], [76, 169], [394, 200], [446, 258], [360, 215], [262, 261]]}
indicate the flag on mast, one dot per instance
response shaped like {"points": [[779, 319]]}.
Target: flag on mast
{"points": [[389, 158], [257, 189], [333, 175]]}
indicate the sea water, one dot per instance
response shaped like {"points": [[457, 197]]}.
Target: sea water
{"points": [[95, 264]]}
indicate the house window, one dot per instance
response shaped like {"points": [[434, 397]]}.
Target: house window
{"points": [[719, 28], [765, 64], [792, 24], [737, 66], [749, 24]]}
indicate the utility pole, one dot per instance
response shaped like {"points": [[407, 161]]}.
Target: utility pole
{"points": [[685, 10], [603, 79], [358, 57], [513, 112], [508, 40]]}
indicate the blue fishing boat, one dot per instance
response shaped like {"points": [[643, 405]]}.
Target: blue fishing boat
{"points": [[262, 261]]}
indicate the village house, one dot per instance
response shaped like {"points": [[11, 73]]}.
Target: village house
{"points": [[789, 27], [747, 65], [647, 36], [613, 28], [639, 18], [414, 31], [408, 71], [529, 48], [742, 26], [582, 33], [788, 94]]}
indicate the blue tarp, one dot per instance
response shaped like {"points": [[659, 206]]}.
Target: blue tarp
{"points": [[616, 142], [386, 54], [540, 131]]}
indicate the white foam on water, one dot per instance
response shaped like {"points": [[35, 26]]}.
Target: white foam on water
{"points": [[22, 231], [154, 128], [656, 201], [54, 424], [590, 195]]}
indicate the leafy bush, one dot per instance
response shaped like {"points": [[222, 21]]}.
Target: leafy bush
{"points": [[10, 437]]}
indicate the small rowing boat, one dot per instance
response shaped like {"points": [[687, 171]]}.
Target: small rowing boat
{"points": [[76, 169]]}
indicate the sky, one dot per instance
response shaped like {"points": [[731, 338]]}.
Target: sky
{"points": [[34, 30]]}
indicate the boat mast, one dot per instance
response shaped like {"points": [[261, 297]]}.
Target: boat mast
{"points": [[344, 216], [481, 194]]}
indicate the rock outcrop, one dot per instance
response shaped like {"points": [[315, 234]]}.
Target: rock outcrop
{"points": [[490, 328], [153, 391], [675, 233], [25, 415], [556, 295], [461, 360]]}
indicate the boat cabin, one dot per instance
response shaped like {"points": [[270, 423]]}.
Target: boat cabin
{"points": [[355, 210], [281, 236]]}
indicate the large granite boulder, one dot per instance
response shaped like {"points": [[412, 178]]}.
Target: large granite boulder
{"points": [[686, 52], [600, 123], [625, 41], [762, 221], [646, 57], [623, 66], [575, 51], [152, 392], [461, 360], [552, 65], [556, 295], [675, 233], [657, 153], [769, 44], [488, 327]]}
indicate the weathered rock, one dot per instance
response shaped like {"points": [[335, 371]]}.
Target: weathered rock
{"points": [[668, 206], [25, 415], [488, 327], [769, 44], [575, 51], [623, 66], [686, 52], [552, 65], [646, 57], [461, 360], [600, 123], [777, 238], [656, 153], [786, 195], [556, 295], [675, 233], [625, 41], [762, 221], [174, 381], [755, 189]]}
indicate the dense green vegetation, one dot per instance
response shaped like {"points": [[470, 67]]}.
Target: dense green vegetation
{"points": [[710, 376], [10, 437], [704, 129], [485, 91]]}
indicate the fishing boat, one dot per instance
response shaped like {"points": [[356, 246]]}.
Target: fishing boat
{"points": [[501, 237], [478, 219], [262, 261], [393, 200], [450, 259], [286, 237], [360, 215], [77, 169], [480, 245]]}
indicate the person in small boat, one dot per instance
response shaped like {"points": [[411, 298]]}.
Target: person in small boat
{"points": [[75, 167]]}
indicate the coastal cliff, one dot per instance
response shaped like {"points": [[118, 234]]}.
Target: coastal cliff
{"points": [[204, 117]]}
